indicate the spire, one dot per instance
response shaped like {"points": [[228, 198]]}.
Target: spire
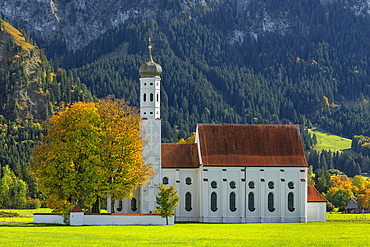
{"points": [[150, 48]]}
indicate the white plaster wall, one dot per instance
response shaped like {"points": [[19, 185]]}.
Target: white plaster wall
{"points": [[48, 219], [177, 178], [316, 211], [90, 220]]}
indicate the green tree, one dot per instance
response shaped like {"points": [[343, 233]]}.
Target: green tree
{"points": [[90, 149], [167, 200]]}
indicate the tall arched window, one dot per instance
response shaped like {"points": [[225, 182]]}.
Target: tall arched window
{"points": [[157, 97], [133, 204], [271, 202], [232, 202], [151, 97], [251, 201], [214, 201], [119, 206], [144, 97], [188, 201], [291, 202]]}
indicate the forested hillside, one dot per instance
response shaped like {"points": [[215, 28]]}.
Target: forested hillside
{"points": [[30, 92], [229, 61]]}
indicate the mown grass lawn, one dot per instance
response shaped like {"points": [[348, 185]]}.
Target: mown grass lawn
{"points": [[292, 234]]}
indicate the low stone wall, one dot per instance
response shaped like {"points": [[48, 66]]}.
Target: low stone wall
{"points": [[81, 219]]}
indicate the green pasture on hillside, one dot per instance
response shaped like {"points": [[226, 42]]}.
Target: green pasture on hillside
{"points": [[328, 141], [277, 234]]}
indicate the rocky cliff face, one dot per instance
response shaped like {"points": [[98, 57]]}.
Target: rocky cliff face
{"points": [[77, 22]]}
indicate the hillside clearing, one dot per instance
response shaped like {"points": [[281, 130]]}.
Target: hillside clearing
{"points": [[328, 141]]}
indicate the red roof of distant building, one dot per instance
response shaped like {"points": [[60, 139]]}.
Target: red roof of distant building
{"points": [[175, 155], [251, 145], [313, 195]]}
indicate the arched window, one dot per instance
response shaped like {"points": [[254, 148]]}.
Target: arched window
{"points": [[232, 185], [133, 204], [165, 180], [119, 206], [188, 201], [271, 202], [214, 185], [144, 98], [251, 185], [271, 185], [214, 201], [291, 202], [251, 201], [232, 202], [188, 181], [157, 97], [291, 185], [151, 97]]}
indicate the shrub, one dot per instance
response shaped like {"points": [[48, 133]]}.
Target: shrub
{"points": [[342, 209], [329, 206], [33, 203]]}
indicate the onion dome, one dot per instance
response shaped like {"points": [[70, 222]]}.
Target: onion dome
{"points": [[150, 68]]}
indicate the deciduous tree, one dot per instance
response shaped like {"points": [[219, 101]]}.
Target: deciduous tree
{"points": [[90, 149], [167, 200]]}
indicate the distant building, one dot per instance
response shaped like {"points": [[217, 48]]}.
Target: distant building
{"points": [[352, 204], [232, 173]]}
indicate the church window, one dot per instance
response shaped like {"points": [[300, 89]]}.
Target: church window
{"points": [[291, 202], [144, 98], [151, 97], [157, 97], [251, 185], [232, 185], [144, 84], [291, 185], [165, 180], [133, 204], [151, 84], [214, 201], [214, 185], [232, 202], [119, 206], [270, 202], [251, 201], [151, 113], [271, 185], [188, 181], [188, 201]]}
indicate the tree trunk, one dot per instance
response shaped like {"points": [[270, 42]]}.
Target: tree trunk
{"points": [[167, 220]]}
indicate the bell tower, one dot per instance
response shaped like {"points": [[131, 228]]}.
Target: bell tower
{"points": [[150, 85]]}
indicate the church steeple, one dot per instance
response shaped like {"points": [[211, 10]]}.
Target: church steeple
{"points": [[150, 86]]}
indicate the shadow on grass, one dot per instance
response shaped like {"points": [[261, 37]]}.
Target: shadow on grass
{"points": [[19, 224]]}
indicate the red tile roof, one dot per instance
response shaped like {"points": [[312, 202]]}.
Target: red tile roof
{"points": [[313, 195], [176, 155], [251, 145]]}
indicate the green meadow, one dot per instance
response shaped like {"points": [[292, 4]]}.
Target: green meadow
{"points": [[278, 234], [326, 140]]}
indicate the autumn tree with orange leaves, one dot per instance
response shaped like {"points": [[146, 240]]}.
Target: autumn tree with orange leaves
{"points": [[90, 150]]}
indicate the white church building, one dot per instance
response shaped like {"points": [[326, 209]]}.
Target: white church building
{"points": [[232, 173]]}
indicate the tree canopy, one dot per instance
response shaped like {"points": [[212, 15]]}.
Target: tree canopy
{"points": [[167, 200], [90, 149]]}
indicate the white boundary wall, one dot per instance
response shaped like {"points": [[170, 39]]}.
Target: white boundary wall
{"points": [[316, 211], [90, 220]]}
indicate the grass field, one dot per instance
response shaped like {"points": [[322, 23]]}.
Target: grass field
{"points": [[23, 215], [291, 234], [347, 217], [326, 140]]}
